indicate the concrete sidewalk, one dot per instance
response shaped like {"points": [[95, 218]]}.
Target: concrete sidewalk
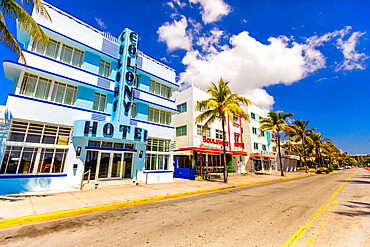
{"points": [[27, 204]]}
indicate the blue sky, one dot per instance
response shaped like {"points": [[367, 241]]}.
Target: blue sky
{"points": [[305, 57]]}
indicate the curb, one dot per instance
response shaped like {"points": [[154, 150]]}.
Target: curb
{"points": [[79, 211]]}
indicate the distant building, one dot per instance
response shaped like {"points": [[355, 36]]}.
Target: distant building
{"points": [[199, 149], [360, 157], [260, 145], [248, 149]]}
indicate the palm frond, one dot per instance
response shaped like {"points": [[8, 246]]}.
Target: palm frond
{"points": [[8, 40], [14, 11]]}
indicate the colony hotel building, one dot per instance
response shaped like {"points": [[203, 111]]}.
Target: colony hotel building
{"points": [[88, 101]]}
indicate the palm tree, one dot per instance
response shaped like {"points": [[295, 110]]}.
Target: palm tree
{"points": [[300, 134], [12, 10], [330, 150], [318, 142], [275, 122], [222, 104]]}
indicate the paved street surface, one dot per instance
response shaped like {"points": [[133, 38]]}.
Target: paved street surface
{"points": [[260, 215]]}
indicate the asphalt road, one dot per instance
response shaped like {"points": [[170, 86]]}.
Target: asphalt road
{"points": [[260, 215]]}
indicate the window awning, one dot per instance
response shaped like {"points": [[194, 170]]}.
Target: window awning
{"points": [[213, 151]]}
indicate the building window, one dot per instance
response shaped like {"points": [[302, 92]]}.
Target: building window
{"points": [[159, 116], [133, 110], [253, 115], [136, 82], [35, 86], [22, 131], [71, 55], [68, 54], [236, 120], [158, 145], [254, 130], [22, 159], [263, 147], [99, 102], [39, 87], [182, 107], [63, 93], [159, 89], [262, 133], [156, 157], [255, 145], [157, 162], [50, 51], [104, 68], [219, 134], [237, 138], [181, 131], [274, 149], [104, 144], [201, 132]]}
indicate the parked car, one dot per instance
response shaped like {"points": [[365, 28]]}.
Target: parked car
{"points": [[321, 169]]}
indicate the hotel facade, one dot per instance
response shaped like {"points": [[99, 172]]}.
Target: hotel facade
{"points": [[201, 150], [248, 149], [87, 102], [260, 145]]}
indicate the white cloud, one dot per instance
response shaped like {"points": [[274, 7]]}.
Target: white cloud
{"points": [[352, 59], [164, 59], [171, 5], [179, 3], [212, 10], [196, 25], [175, 35], [100, 23], [250, 65], [209, 43]]}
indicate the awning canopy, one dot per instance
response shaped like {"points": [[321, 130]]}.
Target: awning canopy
{"points": [[212, 151], [184, 152], [271, 156]]}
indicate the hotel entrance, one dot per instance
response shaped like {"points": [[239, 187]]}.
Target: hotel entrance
{"points": [[110, 163]]}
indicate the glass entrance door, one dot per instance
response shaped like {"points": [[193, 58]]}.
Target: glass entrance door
{"points": [[91, 164], [127, 163], [108, 165], [116, 165], [104, 165]]}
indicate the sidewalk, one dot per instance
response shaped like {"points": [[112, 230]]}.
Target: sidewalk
{"points": [[28, 204]]}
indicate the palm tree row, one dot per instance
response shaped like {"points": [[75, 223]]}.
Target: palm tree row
{"points": [[301, 140], [310, 146]]}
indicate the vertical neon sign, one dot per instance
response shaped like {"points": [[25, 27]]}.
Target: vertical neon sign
{"points": [[125, 77]]}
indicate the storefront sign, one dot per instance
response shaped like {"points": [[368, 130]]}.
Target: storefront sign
{"points": [[214, 141], [238, 145]]}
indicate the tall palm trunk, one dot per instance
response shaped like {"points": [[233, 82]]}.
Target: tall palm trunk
{"points": [[224, 144], [304, 155], [281, 162]]}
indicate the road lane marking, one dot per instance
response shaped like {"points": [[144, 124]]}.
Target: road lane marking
{"points": [[299, 233], [324, 219], [105, 207]]}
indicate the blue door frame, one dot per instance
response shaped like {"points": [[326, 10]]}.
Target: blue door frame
{"points": [[185, 173]]}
